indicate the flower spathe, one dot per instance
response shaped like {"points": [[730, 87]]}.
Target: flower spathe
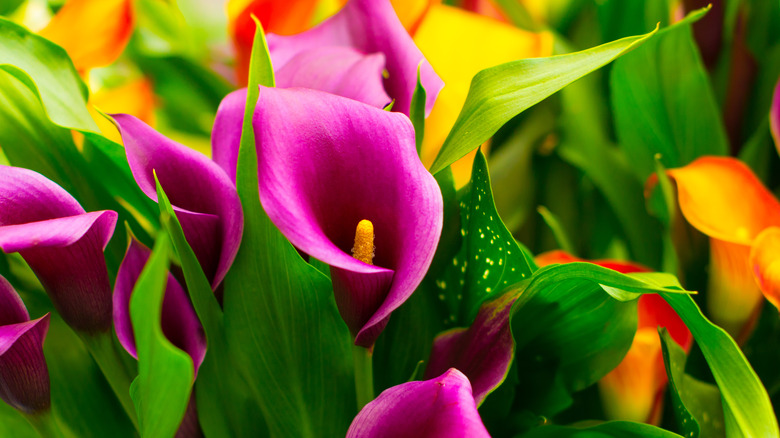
{"points": [[61, 242], [24, 376], [369, 27], [204, 198], [179, 323], [325, 164], [442, 407], [722, 198]]}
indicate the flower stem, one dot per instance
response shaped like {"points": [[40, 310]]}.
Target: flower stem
{"points": [[364, 375], [103, 349], [45, 424]]}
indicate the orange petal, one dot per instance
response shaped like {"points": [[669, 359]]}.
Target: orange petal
{"points": [[446, 36], [722, 198], [765, 261], [134, 97], [93, 32], [655, 312], [485, 7], [410, 12], [632, 391]]}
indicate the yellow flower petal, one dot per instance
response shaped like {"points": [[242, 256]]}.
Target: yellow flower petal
{"points": [[459, 44], [93, 32], [410, 12], [765, 262], [134, 97]]}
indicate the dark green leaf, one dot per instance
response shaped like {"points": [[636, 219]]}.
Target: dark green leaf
{"points": [[663, 102], [611, 429], [417, 113], [165, 374]]}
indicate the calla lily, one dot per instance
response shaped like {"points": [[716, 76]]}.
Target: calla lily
{"points": [[62, 244], [634, 390], [204, 198], [326, 164], [368, 27], [483, 351], [722, 198], [24, 376], [180, 323], [446, 36], [765, 262], [93, 32], [440, 407]]}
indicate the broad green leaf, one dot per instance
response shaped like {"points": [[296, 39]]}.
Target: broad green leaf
{"points": [[224, 406], [571, 326], [663, 102], [12, 423], [280, 315], [746, 405], [611, 429], [8, 6], [47, 71], [162, 389], [620, 18], [696, 404], [499, 93]]}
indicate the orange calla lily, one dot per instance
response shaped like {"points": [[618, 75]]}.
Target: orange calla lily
{"points": [[765, 261], [93, 32], [411, 12], [723, 198], [634, 389], [135, 97], [446, 37]]}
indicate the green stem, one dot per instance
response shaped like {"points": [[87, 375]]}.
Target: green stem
{"points": [[364, 375], [103, 349], [45, 424]]}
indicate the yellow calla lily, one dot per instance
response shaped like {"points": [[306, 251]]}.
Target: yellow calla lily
{"points": [[134, 97], [446, 36], [93, 32]]}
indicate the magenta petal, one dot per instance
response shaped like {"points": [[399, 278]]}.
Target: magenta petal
{"points": [[226, 134], [368, 26], [202, 194], [62, 244], [439, 408], [12, 310], [483, 351], [24, 377], [338, 70], [327, 162], [180, 323]]}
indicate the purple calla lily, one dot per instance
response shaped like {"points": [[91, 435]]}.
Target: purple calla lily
{"points": [[483, 351], [326, 163], [441, 407], [180, 323], [204, 198], [369, 27], [24, 377], [62, 244]]}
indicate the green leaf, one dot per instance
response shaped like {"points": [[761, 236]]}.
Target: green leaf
{"points": [[663, 102], [499, 93], [47, 71], [611, 429], [569, 333], [746, 405], [417, 113], [165, 374], [696, 404], [280, 315]]}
